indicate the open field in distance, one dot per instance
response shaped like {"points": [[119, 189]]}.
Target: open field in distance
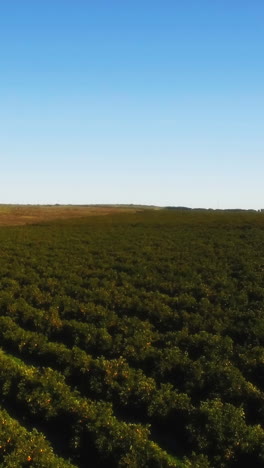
{"points": [[15, 215]]}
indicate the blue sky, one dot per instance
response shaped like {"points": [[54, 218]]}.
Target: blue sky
{"points": [[113, 101]]}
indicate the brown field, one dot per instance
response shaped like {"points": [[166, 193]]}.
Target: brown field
{"points": [[15, 215]]}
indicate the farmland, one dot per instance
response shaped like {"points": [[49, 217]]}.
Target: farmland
{"points": [[19, 215], [133, 339]]}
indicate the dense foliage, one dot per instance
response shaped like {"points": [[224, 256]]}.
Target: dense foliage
{"points": [[133, 340]]}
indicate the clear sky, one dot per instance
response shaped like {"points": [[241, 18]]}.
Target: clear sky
{"points": [[132, 101]]}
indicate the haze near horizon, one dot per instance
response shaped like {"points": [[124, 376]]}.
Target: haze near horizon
{"points": [[157, 103]]}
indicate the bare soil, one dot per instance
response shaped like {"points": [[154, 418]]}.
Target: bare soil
{"points": [[15, 215]]}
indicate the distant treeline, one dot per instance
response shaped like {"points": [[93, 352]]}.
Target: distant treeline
{"points": [[186, 208]]}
